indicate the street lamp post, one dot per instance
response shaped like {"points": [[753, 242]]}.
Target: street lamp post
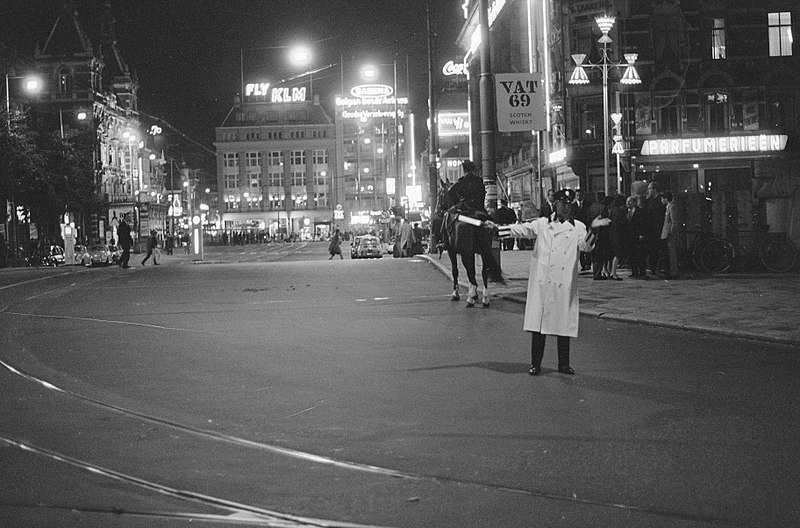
{"points": [[32, 84], [630, 76]]}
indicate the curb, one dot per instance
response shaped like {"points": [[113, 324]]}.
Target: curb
{"points": [[520, 297]]}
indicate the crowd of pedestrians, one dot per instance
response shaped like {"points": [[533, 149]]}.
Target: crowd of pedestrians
{"points": [[642, 234]]}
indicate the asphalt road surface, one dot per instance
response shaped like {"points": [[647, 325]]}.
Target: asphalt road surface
{"points": [[270, 386]]}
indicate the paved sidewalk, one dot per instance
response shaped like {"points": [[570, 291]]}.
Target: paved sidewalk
{"points": [[765, 307]]}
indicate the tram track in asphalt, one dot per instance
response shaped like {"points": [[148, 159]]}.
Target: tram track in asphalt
{"points": [[269, 516]]}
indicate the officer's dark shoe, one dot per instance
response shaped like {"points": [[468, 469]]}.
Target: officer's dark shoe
{"points": [[566, 369]]}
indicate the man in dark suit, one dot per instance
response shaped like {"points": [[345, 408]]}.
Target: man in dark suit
{"points": [[637, 250], [580, 211], [125, 240], [548, 207], [505, 216]]}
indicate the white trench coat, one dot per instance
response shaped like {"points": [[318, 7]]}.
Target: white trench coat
{"points": [[552, 302]]}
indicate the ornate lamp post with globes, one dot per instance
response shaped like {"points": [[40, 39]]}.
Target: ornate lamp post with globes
{"points": [[630, 76]]}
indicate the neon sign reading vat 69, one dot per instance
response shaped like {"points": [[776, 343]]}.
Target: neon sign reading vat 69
{"points": [[379, 98], [276, 95]]}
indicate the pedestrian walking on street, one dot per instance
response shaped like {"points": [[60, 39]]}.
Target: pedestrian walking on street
{"points": [[125, 241], [551, 306], [335, 247], [152, 248]]}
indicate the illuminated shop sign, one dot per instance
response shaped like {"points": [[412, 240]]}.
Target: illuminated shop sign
{"points": [[714, 145], [275, 95], [370, 101], [453, 124], [455, 68]]}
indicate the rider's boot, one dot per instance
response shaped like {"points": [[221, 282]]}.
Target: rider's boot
{"points": [[472, 296], [485, 298]]}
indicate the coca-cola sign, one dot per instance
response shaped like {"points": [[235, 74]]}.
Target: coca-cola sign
{"points": [[454, 68]]}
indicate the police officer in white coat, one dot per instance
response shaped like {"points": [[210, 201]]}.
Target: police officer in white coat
{"points": [[551, 307]]}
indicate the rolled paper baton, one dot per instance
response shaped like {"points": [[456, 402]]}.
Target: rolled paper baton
{"points": [[469, 220]]}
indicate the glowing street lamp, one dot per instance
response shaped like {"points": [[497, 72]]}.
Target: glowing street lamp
{"points": [[32, 84], [630, 76]]}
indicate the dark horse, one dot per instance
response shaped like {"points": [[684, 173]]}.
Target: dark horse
{"points": [[459, 238]]}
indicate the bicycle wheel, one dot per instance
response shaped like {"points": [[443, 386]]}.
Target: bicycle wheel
{"points": [[777, 254], [717, 256], [696, 250]]}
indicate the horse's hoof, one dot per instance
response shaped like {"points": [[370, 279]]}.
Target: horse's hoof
{"points": [[455, 297], [485, 302], [471, 302]]}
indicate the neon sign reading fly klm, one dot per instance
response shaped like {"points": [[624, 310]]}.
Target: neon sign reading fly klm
{"points": [[276, 95]]}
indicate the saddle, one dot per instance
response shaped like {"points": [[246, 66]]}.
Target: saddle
{"points": [[450, 221]]}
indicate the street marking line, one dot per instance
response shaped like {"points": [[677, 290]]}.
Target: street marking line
{"points": [[110, 321], [31, 280]]}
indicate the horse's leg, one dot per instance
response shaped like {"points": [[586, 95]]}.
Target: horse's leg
{"points": [[485, 272], [451, 252], [468, 259]]}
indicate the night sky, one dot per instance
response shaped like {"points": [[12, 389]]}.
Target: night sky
{"points": [[186, 53]]}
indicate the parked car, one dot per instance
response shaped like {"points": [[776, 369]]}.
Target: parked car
{"points": [[54, 256], [366, 246], [98, 255]]}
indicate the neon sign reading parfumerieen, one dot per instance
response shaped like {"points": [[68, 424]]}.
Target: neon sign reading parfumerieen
{"points": [[714, 145]]}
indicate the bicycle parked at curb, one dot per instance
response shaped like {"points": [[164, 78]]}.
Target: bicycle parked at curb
{"points": [[709, 253], [773, 252]]}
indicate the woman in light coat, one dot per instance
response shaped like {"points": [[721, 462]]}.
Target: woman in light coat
{"points": [[552, 302]]}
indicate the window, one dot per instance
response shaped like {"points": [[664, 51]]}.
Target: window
{"points": [[300, 201], [298, 157], [716, 112], [275, 159], [297, 134], [253, 159], [231, 181], [275, 135], [321, 200], [780, 34], [298, 178], [275, 179], [230, 159], [254, 179], [276, 201], [250, 136], [64, 81], [320, 157], [320, 178], [229, 136], [718, 39]]}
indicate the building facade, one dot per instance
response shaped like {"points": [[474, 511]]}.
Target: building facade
{"points": [[714, 119], [276, 170]]}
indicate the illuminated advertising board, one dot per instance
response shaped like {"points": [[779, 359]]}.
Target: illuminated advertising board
{"points": [[277, 94], [714, 145], [367, 101], [453, 124]]}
